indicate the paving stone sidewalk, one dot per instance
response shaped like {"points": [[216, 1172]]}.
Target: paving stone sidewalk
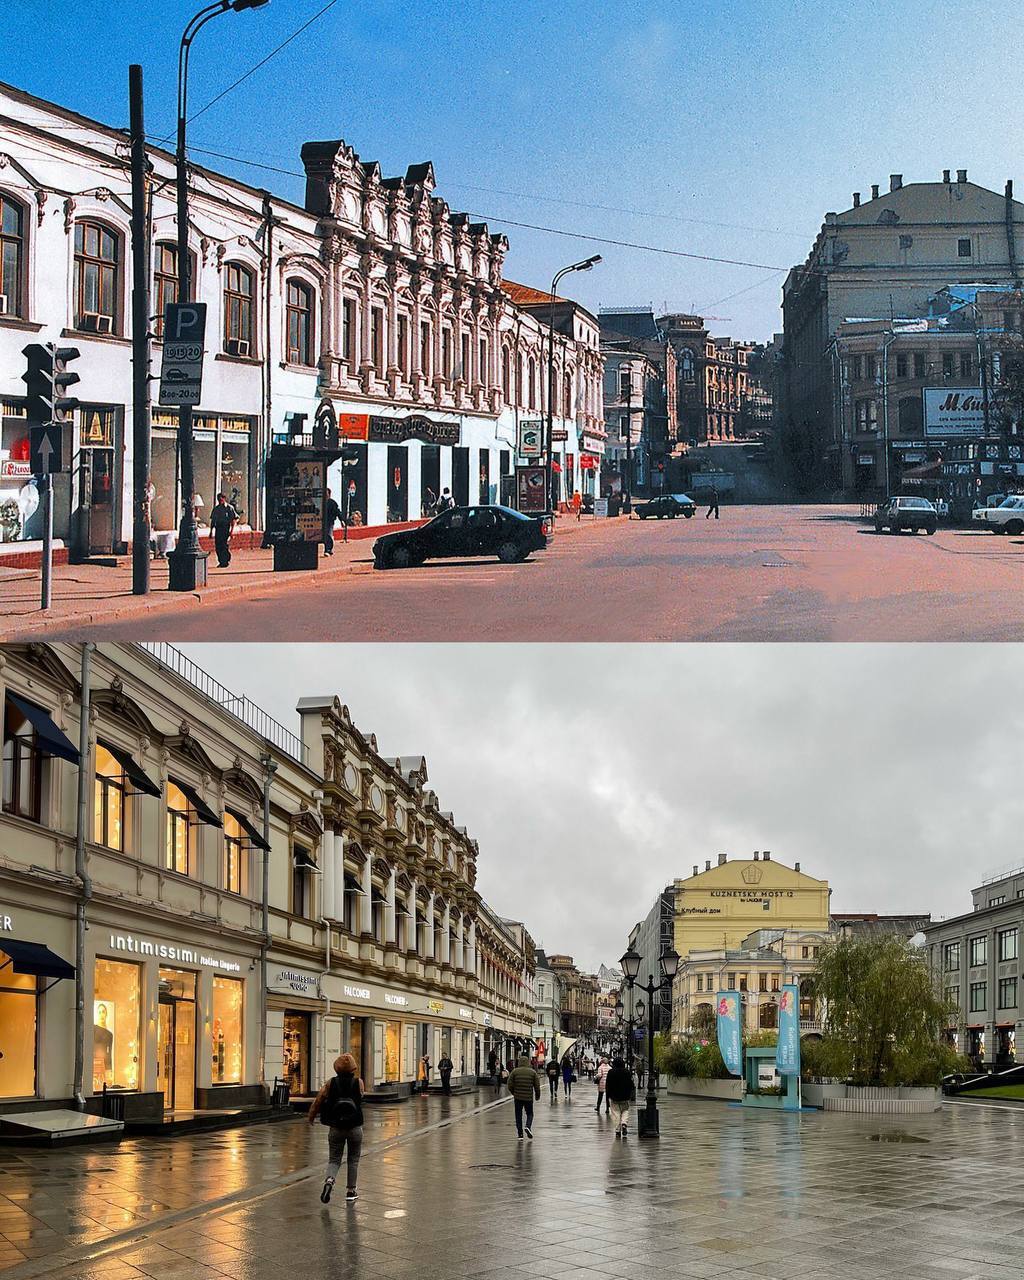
{"points": [[726, 1192]]}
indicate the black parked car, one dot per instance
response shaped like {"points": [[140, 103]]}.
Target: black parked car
{"points": [[667, 507], [906, 513], [464, 531]]}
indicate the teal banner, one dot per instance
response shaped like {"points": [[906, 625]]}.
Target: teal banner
{"points": [[730, 1031], [787, 1056]]}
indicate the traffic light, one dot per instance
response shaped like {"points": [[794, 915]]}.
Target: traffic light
{"points": [[47, 379]]}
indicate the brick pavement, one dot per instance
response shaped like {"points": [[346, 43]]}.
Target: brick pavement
{"points": [[741, 1195]]}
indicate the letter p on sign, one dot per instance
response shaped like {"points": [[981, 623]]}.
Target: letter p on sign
{"points": [[186, 321]]}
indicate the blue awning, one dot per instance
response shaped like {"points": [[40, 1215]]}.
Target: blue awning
{"points": [[34, 958], [51, 740]]}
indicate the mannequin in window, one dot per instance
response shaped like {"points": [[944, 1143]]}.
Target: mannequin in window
{"points": [[102, 1048]]}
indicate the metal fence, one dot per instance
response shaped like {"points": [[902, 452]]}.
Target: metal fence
{"points": [[242, 708]]}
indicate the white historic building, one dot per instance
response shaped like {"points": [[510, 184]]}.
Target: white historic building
{"points": [[375, 296]]}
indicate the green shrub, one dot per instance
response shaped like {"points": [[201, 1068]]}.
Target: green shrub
{"points": [[707, 1063], [826, 1059], [674, 1060]]}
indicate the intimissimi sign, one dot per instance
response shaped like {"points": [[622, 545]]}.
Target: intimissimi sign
{"points": [[169, 951]]}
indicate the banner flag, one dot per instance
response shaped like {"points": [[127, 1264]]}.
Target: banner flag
{"points": [[787, 1056], [730, 1035]]}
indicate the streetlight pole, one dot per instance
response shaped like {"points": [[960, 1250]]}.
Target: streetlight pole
{"points": [[187, 562], [627, 504], [648, 1125], [585, 265]]}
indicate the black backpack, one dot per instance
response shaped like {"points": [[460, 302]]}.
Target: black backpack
{"points": [[340, 1110]]}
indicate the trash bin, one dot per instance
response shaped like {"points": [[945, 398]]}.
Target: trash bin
{"points": [[112, 1105], [281, 1094]]}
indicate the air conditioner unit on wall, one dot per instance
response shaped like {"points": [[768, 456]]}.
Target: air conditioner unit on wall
{"points": [[237, 347], [94, 322]]}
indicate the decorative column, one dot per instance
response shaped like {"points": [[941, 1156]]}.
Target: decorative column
{"points": [[338, 911], [366, 897], [460, 945], [390, 917], [446, 924], [472, 948], [327, 878], [414, 929]]}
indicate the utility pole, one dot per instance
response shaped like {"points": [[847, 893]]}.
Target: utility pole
{"points": [[141, 436], [627, 504]]}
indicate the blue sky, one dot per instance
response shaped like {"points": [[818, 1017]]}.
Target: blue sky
{"points": [[725, 130]]}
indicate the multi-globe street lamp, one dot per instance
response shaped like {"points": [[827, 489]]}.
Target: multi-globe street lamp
{"points": [[647, 1120], [187, 563], [585, 265]]}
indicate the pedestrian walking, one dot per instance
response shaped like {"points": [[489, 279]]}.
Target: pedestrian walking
{"points": [[568, 1077], [339, 1105], [423, 1073], [620, 1090], [524, 1086], [446, 501], [445, 1067], [600, 1076], [553, 1071], [577, 504], [500, 1076], [429, 503], [332, 514], [712, 503], [222, 522], [640, 1075]]}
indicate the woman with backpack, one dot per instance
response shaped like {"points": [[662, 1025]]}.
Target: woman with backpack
{"points": [[339, 1104]]}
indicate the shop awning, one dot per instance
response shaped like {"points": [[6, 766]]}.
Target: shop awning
{"points": [[51, 740], [253, 832], [134, 772], [34, 958], [203, 811]]}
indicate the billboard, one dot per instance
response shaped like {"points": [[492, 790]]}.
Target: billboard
{"points": [[953, 412]]}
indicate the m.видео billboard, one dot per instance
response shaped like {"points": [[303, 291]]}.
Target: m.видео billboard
{"points": [[953, 412]]}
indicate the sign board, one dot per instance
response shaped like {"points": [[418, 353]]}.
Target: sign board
{"points": [[588, 462], [354, 426], [600, 506], [295, 501], [46, 456], [293, 981], [181, 373], [531, 496], [531, 438], [414, 427], [15, 469], [953, 412], [559, 434]]}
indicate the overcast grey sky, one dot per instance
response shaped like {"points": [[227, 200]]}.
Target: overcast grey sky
{"points": [[592, 775]]}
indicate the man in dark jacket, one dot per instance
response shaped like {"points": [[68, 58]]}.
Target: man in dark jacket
{"points": [[524, 1086], [332, 514], [619, 1089], [223, 518], [553, 1071], [712, 503], [445, 1068]]}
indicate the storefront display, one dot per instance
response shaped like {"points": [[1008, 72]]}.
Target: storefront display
{"points": [[296, 1048], [18, 1004], [227, 1031], [223, 463], [392, 1052], [116, 1011]]}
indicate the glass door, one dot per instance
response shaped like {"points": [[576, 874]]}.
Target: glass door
{"points": [[165, 1054], [176, 1039]]}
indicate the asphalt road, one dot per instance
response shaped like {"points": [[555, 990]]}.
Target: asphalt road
{"points": [[760, 573]]}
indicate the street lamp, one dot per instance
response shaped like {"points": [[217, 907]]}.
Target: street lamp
{"points": [[585, 265], [647, 1120], [187, 562]]}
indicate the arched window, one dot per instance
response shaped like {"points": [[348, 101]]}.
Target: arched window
{"points": [[532, 382], [239, 296], [12, 257], [97, 278], [165, 281], [567, 396], [299, 312], [506, 375], [521, 380]]}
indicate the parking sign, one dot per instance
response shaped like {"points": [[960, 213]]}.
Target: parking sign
{"points": [[181, 373]]}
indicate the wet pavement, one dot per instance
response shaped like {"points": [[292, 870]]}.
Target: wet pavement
{"points": [[726, 1192]]}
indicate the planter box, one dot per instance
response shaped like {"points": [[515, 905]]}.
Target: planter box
{"points": [[869, 1100], [720, 1090], [814, 1092]]}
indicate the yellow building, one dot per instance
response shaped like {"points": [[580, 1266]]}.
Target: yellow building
{"points": [[719, 906]]}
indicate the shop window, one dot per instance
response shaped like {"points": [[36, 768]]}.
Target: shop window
{"points": [[109, 800], [97, 278], [234, 471], [234, 850], [18, 1016], [226, 1033], [296, 1053], [116, 1013], [12, 257], [239, 298], [392, 1052], [179, 838], [22, 765], [299, 317]]}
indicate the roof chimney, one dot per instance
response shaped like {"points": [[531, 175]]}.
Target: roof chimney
{"points": [[874, 191], [707, 865], [856, 199], [945, 175], [757, 854], [767, 855], [1009, 188], [961, 175], [722, 859], [696, 869], [895, 181], [796, 866]]}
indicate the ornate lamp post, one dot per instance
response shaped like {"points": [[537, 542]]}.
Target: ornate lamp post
{"points": [[647, 1120]]}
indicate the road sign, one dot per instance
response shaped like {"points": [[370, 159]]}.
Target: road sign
{"points": [[181, 373], [531, 438], [46, 457], [530, 484]]}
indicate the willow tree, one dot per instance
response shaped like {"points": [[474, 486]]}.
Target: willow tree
{"points": [[882, 1006]]}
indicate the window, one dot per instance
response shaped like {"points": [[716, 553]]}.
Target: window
{"points": [[532, 382], [700, 982], [1007, 944], [425, 362], [299, 312], [775, 982], [805, 953], [866, 415], [978, 950], [116, 1030], [870, 369], [709, 981], [377, 340], [815, 952], [952, 995], [857, 368], [109, 800], [743, 982], [978, 997], [348, 331], [506, 376], [567, 396], [446, 353], [403, 345], [1007, 993], [234, 848], [12, 257], [951, 957], [540, 990], [300, 886], [732, 982], [22, 765], [483, 374], [178, 836], [901, 366], [762, 983], [996, 902], [918, 364], [97, 278], [966, 364], [947, 365], [963, 248], [165, 282], [18, 1017], [226, 1031], [239, 290], [464, 369]]}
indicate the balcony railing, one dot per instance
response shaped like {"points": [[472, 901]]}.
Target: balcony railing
{"points": [[242, 708]]}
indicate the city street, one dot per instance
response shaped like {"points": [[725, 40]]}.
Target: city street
{"points": [[744, 1195], [760, 573]]}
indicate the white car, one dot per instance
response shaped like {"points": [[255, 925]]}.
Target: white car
{"points": [[1008, 517]]}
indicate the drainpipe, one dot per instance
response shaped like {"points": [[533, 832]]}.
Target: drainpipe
{"points": [[270, 769], [1010, 241], [83, 879]]}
